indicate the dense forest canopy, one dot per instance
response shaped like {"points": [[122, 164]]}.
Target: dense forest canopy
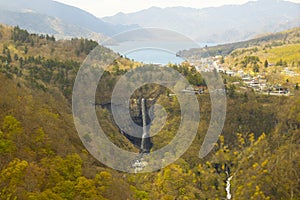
{"points": [[42, 156]]}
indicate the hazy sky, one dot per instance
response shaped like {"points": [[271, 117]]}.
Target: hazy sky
{"points": [[101, 8]]}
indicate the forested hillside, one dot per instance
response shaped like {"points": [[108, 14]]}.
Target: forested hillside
{"points": [[283, 38], [42, 157]]}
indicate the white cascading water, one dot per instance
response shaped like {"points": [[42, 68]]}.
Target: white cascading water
{"points": [[228, 187]]}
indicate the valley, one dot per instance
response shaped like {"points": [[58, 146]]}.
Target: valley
{"points": [[42, 156], [149, 100]]}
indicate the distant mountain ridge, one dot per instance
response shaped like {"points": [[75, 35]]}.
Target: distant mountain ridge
{"points": [[40, 23], [218, 24], [47, 16], [223, 24]]}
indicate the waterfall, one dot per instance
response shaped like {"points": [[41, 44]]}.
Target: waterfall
{"points": [[228, 187], [140, 163], [144, 136]]}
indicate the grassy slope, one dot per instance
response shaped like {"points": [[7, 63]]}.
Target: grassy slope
{"points": [[286, 50], [292, 36]]}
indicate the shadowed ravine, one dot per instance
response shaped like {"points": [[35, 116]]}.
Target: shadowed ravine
{"points": [[140, 115]]}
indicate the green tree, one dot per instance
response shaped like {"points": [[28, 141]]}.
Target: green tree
{"points": [[16, 57], [8, 56], [6, 145], [139, 195], [230, 91], [266, 64], [45, 195], [12, 131], [65, 189], [25, 49], [255, 68], [11, 178], [85, 189]]}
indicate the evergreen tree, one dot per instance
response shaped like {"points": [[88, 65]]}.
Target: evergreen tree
{"points": [[266, 63]]}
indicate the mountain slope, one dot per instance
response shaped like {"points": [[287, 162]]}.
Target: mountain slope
{"points": [[41, 155], [220, 24], [286, 37], [55, 18], [40, 23]]}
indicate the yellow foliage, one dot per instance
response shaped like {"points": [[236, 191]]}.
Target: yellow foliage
{"points": [[241, 140], [263, 164], [255, 165], [251, 138]]}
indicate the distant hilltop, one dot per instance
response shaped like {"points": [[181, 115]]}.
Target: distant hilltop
{"points": [[230, 23], [61, 20]]}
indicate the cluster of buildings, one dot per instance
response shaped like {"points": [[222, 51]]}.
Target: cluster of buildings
{"points": [[289, 72], [258, 83]]}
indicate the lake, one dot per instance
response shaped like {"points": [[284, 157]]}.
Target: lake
{"points": [[160, 53]]}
